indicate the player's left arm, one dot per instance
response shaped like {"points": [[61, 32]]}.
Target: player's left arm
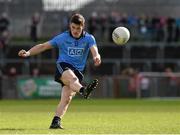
{"points": [[96, 56]]}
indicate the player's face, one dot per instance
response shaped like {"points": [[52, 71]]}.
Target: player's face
{"points": [[76, 30]]}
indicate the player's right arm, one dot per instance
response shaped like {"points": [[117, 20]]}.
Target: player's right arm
{"points": [[35, 50]]}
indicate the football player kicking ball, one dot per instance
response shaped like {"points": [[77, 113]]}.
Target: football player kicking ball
{"points": [[74, 46]]}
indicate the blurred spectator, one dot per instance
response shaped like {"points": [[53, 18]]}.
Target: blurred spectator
{"points": [[170, 29], [124, 19], [65, 22], [34, 26], [4, 32], [4, 22], [143, 30], [144, 85], [113, 22], [158, 28], [132, 87], [133, 81], [103, 25], [35, 72], [177, 30], [172, 82], [12, 72], [93, 23]]}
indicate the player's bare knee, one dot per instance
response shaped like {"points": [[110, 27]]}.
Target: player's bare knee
{"points": [[68, 75], [73, 81]]}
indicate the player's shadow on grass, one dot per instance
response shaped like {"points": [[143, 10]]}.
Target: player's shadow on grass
{"points": [[18, 129], [3, 129]]}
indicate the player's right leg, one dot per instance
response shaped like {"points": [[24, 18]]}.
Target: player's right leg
{"points": [[91, 86], [70, 79], [67, 75]]}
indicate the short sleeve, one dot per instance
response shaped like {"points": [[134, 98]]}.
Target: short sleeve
{"points": [[55, 41], [92, 41]]}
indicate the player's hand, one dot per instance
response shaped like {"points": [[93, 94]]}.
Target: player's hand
{"points": [[97, 60], [24, 53]]}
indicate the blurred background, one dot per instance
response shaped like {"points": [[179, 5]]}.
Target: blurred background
{"points": [[146, 67]]}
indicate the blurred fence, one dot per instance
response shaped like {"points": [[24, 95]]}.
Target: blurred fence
{"points": [[159, 85], [141, 85]]}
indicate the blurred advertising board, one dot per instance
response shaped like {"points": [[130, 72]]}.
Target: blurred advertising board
{"points": [[41, 87]]}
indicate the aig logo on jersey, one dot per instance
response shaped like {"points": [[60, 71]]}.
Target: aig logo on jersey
{"points": [[75, 51]]}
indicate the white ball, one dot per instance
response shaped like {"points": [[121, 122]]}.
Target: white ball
{"points": [[120, 35]]}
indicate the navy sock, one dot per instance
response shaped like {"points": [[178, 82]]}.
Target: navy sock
{"points": [[56, 118], [81, 91]]}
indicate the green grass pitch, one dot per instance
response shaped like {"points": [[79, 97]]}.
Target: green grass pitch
{"points": [[94, 116]]}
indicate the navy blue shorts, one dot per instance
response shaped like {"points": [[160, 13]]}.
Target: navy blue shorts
{"points": [[61, 67]]}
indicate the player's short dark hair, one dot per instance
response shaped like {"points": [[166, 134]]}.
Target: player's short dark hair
{"points": [[77, 19]]}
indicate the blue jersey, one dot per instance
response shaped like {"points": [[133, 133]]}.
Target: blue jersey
{"points": [[71, 50]]}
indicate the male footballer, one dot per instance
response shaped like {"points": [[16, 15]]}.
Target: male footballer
{"points": [[74, 46]]}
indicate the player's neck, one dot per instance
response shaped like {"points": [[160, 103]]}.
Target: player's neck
{"points": [[82, 35]]}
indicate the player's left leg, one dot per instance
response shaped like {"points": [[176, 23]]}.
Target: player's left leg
{"points": [[66, 97]]}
